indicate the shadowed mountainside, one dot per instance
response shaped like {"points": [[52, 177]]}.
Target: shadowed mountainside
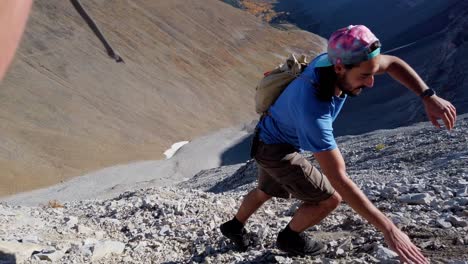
{"points": [[429, 35], [190, 67]]}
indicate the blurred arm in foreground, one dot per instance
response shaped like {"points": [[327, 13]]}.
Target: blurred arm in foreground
{"points": [[13, 17]]}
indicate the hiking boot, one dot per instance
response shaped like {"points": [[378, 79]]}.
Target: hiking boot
{"points": [[299, 244], [237, 234]]}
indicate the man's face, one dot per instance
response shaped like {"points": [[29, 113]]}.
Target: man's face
{"points": [[352, 81]]}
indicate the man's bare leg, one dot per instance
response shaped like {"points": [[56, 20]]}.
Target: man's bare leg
{"points": [[252, 201], [309, 214]]}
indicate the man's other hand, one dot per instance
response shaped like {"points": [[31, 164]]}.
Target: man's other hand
{"points": [[438, 108]]}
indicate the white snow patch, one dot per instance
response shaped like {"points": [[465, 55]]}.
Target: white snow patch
{"points": [[176, 146]]}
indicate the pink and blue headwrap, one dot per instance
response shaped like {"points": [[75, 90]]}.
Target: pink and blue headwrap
{"points": [[349, 45]]}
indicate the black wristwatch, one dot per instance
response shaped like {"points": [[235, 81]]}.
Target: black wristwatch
{"points": [[427, 93]]}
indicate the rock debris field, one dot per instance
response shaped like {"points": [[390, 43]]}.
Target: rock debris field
{"points": [[418, 176]]}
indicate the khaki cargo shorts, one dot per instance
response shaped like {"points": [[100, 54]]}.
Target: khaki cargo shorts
{"points": [[284, 173]]}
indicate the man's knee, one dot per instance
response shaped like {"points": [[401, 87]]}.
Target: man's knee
{"points": [[333, 202], [261, 195]]}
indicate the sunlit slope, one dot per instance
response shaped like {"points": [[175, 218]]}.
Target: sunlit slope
{"points": [[190, 67]]}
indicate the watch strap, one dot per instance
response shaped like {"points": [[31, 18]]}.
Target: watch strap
{"points": [[427, 93]]}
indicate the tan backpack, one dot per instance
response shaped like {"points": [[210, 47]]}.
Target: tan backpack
{"points": [[275, 81]]}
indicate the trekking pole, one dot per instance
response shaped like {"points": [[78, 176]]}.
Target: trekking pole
{"points": [[95, 29]]}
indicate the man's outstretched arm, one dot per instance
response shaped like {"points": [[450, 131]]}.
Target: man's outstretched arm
{"points": [[436, 107], [333, 166], [13, 17]]}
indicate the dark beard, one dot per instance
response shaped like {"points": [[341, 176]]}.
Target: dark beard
{"points": [[342, 85], [349, 93]]}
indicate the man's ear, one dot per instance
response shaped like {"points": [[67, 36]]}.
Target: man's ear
{"points": [[339, 68]]}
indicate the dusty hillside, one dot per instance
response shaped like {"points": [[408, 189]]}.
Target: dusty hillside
{"points": [[190, 67]]}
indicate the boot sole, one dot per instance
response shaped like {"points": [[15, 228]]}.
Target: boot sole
{"points": [[294, 252]]}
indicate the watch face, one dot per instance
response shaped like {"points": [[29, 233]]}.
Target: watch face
{"points": [[428, 93]]}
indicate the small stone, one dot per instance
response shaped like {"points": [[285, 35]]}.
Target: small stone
{"points": [[462, 183], [283, 260], [444, 224], [384, 254], [433, 244], [446, 195], [417, 187], [340, 252], [30, 239], [418, 198], [404, 189], [127, 259], [399, 218], [106, 248], [459, 241], [437, 188], [358, 261], [462, 201], [457, 222], [142, 245], [86, 250], [426, 244], [333, 243], [71, 221], [346, 245], [165, 229], [360, 240], [50, 255], [389, 192]]}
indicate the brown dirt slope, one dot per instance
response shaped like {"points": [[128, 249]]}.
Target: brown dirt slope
{"points": [[191, 66]]}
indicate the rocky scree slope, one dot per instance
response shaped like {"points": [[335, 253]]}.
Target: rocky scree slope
{"points": [[417, 175]]}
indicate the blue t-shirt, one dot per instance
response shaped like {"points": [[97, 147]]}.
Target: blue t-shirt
{"points": [[299, 118]]}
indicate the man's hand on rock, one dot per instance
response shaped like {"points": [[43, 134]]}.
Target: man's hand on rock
{"points": [[402, 245]]}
